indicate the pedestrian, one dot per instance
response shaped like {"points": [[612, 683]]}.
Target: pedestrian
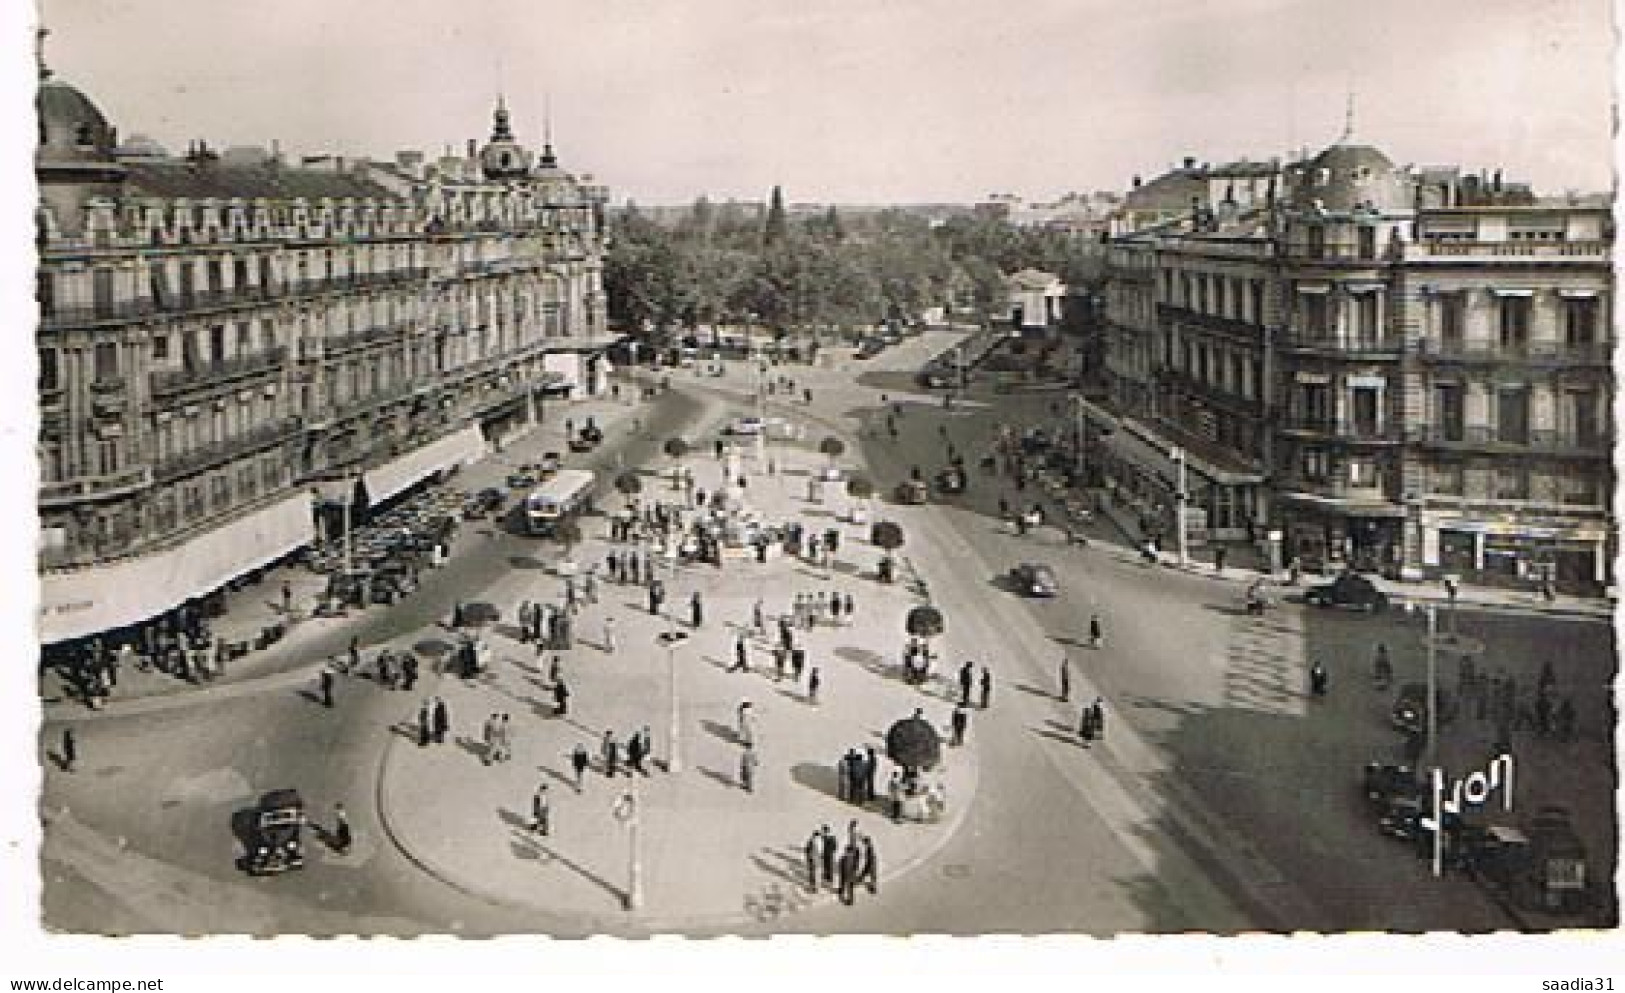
{"points": [[327, 687], [811, 850], [555, 670], [827, 847], [1066, 679], [635, 754], [847, 607], [579, 762], [541, 812], [986, 686], [869, 866], [442, 721], [871, 768], [746, 722], [355, 655], [409, 671], [70, 749], [341, 830], [758, 619], [1218, 559], [843, 778], [741, 655], [1097, 719], [959, 721], [967, 678], [611, 754], [609, 635], [425, 724], [1086, 725], [489, 733], [504, 739], [561, 698], [287, 599], [814, 681], [1097, 637], [747, 768], [851, 858], [894, 795]]}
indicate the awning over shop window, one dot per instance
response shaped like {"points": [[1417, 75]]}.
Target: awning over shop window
{"points": [[457, 448], [86, 601], [1502, 291]]}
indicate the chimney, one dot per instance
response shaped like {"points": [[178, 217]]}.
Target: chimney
{"points": [[473, 148], [1136, 182], [1190, 162], [276, 150]]}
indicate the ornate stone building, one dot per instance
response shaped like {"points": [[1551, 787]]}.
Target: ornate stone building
{"points": [[1397, 371], [226, 344]]}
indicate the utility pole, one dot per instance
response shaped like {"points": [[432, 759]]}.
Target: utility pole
{"points": [[349, 497], [1432, 762], [1077, 437], [1180, 497], [674, 761], [626, 811]]}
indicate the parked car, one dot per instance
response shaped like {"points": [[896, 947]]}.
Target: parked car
{"points": [[745, 427], [1035, 579], [551, 462], [911, 491], [1386, 782], [951, 479], [278, 842], [1348, 590]]}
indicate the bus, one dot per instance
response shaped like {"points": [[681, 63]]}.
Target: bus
{"points": [[562, 496]]}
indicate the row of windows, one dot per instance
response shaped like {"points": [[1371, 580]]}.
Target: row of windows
{"points": [[1231, 297]]}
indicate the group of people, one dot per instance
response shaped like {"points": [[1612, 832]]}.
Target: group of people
{"points": [[498, 739], [434, 722], [855, 775], [831, 867], [636, 752], [810, 610]]}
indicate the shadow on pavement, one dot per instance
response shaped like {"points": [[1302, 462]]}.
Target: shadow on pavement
{"points": [[728, 782], [721, 730], [526, 562], [816, 777]]}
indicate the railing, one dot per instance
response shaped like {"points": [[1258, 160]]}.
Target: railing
{"points": [[1543, 351], [1303, 341], [1334, 490], [1538, 442], [186, 463], [1350, 430], [83, 487], [212, 373], [1456, 249]]}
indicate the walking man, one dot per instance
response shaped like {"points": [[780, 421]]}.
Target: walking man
{"points": [[814, 681], [1096, 636], [561, 698], [696, 610], [747, 768], [611, 755], [425, 724], [341, 830], [967, 677], [960, 720], [609, 635], [811, 851], [635, 753], [827, 846], [1066, 679], [442, 721], [869, 866], [741, 655], [850, 861], [327, 687], [1097, 718], [987, 687], [578, 762], [746, 733], [541, 812], [70, 749], [758, 620]]}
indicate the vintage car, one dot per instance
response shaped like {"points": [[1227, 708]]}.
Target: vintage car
{"points": [[1350, 590], [951, 479], [278, 842], [911, 491], [1035, 579]]}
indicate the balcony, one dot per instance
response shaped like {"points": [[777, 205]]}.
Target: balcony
{"points": [[1483, 439], [170, 382], [324, 419], [1541, 353], [1348, 346], [93, 487], [1328, 427], [198, 459], [1557, 252]]}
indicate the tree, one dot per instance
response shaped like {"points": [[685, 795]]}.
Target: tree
{"points": [[887, 535], [675, 447], [774, 231], [629, 485], [860, 488], [832, 447], [924, 621]]}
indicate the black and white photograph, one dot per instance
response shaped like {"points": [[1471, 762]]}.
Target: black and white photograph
{"points": [[1070, 468]]}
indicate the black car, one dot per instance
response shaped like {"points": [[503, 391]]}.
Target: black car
{"points": [[1348, 590], [278, 843], [1386, 782], [1035, 579]]}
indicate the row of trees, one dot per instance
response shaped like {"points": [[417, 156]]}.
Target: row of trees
{"points": [[724, 264]]}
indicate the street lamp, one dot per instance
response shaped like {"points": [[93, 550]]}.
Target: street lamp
{"points": [[1180, 496], [1432, 761], [1077, 436], [671, 639], [626, 811]]}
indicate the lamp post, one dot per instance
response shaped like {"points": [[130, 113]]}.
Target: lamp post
{"points": [[671, 639], [626, 811], [349, 498], [1077, 436], [1432, 761], [1180, 496]]}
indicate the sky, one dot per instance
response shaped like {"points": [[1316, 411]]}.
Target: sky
{"points": [[864, 100]]}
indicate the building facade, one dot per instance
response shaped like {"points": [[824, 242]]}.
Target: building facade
{"points": [[1374, 368], [226, 346]]}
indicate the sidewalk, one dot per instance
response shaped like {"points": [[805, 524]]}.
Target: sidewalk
{"points": [[255, 607], [711, 853]]}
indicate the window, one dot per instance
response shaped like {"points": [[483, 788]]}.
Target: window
{"points": [[160, 348], [185, 283], [1581, 418], [217, 344], [239, 274], [107, 458], [1451, 319], [245, 338], [45, 293], [1367, 246], [1511, 483], [1257, 315], [101, 285], [1580, 322], [1315, 322], [1317, 242], [1514, 323], [1367, 414], [1316, 399], [1367, 323], [266, 282], [1447, 479], [1448, 411], [1316, 465], [1580, 489], [1512, 415], [49, 374], [1363, 474], [106, 361], [216, 276]]}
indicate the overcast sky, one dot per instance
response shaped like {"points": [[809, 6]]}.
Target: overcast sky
{"points": [[864, 100]]}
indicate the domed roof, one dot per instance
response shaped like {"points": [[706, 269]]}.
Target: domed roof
{"points": [[503, 157], [1346, 177], [72, 128]]}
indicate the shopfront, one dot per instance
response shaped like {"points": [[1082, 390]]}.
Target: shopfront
{"points": [[1519, 554], [1327, 535]]}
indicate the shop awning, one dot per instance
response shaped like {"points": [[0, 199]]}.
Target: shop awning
{"points": [[1138, 444], [457, 448], [1346, 507], [86, 601]]}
